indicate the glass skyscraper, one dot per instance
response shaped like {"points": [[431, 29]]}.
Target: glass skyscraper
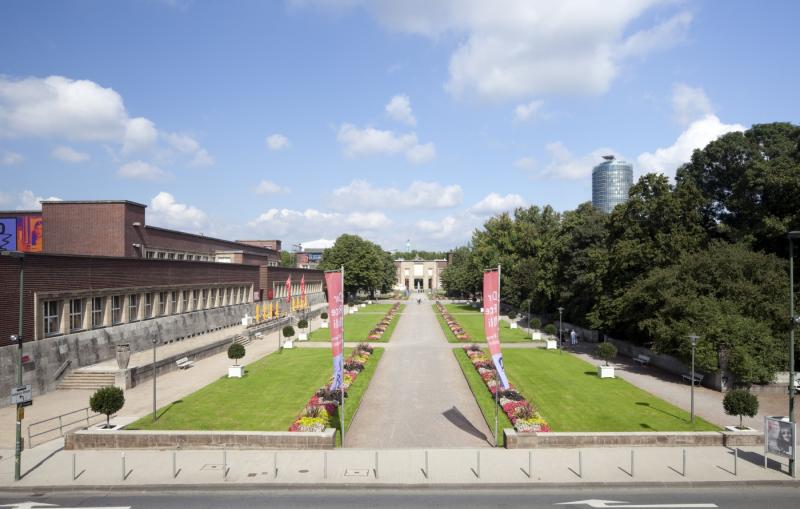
{"points": [[611, 181]]}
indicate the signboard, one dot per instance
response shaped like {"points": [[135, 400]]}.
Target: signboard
{"points": [[8, 234], [491, 321], [780, 436], [29, 234], [336, 314], [21, 394]]}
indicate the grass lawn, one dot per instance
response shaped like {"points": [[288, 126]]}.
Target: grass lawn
{"points": [[471, 320], [268, 398], [571, 397], [358, 325], [483, 396]]}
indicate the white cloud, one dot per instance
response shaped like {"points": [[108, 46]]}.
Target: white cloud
{"points": [[563, 165], [312, 223], [370, 141], [524, 48], [270, 187], [140, 170], [69, 155], [141, 135], [445, 228], [188, 145], [689, 104], [525, 163], [368, 220], [166, 212], [29, 201], [277, 142], [8, 158], [493, 203], [399, 108], [699, 134], [427, 195], [528, 111]]}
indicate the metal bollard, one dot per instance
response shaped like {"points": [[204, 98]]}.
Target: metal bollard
{"points": [[376, 464], [224, 465], [580, 464], [530, 464], [478, 471], [275, 463], [174, 464], [736, 461], [325, 465], [123, 466], [73, 466], [427, 472], [684, 463], [631, 462]]}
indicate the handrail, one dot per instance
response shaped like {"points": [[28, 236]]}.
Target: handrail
{"points": [[61, 424], [62, 368]]}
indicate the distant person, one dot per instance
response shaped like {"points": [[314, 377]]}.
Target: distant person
{"points": [[573, 337]]}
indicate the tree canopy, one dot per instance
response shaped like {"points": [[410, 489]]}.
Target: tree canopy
{"points": [[367, 267]]}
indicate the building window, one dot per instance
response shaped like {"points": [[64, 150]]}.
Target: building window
{"points": [[170, 256], [75, 315], [214, 298], [97, 312], [187, 306], [180, 256], [204, 303], [133, 307], [51, 325], [148, 305], [116, 309], [162, 303], [161, 256], [174, 302], [149, 254], [189, 257], [195, 302]]}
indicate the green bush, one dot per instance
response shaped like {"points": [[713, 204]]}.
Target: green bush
{"points": [[535, 323], [303, 324], [235, 352], [323, 315], [740, 402], [107, 400], [550, 329], [512, 314], [288, 331], [606, 351]]}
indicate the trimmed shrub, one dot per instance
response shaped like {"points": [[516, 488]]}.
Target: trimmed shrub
{"points": [[535, 323], [323, 315], [107, 400], [235, 352], [302, 324], [288, 331], [740, 402], [606, 351], [550, 329], [512, 314]]}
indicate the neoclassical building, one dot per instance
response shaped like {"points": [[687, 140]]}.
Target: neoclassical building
{"points": [[419, 275]]}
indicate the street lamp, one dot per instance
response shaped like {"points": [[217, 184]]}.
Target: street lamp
{"points": [[793, 321], [693, 338], [18, 339], [560, 339], [530, 329], [155, 342]]}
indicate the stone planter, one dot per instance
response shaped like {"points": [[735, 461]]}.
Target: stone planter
{"points": [[514, 325], [324, 324], [302, 336], [551, 344], [289, 344], [605, 371], [737, 429], [235, 371], [536, 336], [123, 356]]}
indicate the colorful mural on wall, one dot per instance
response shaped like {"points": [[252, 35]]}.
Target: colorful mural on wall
{"points": [[21, 234]]}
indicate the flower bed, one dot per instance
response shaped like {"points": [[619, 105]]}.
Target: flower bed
{"points": [[316, 416], [377, 333], [451, 322], [520, 412]]}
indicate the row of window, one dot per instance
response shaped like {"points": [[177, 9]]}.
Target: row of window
{"points": [[64, 316], [172, 255]]}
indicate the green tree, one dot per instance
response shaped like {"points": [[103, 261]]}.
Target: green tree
{"points": [[462, 276], [740, 402], [235, 352], [288, 259], [107, 400], [367, 267]]}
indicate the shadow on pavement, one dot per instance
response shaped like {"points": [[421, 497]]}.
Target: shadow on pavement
{"points": [[455, 416]]}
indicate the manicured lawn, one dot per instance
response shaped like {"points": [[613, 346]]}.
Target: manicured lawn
{"points": [[483, 396], [571, 397], [471, 320], [358, 325], [273, 391]]}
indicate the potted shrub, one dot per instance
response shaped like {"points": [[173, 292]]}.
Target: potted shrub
{"points": [[512, 315], [740, 402], [324, 317], [550, 331], [107, 400], [302, 325], [288, 333], [534, 324], [235, 352], [606, 351]]}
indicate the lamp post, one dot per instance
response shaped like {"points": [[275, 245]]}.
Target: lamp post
{"points": [[560, 339], [793, 321], [693, 338], [18, 339], [155, 342], [530, 329]]}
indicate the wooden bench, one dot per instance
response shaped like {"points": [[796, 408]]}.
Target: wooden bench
{"points": [[184, 363], [698, 378], [642, 359]]}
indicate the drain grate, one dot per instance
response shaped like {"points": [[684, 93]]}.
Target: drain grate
{"points": [[356, 472]]}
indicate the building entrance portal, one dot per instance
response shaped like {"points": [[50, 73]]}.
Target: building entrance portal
{"points": [[418, 284]]}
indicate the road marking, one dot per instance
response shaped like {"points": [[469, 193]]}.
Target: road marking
{"points": [[607, 504]]}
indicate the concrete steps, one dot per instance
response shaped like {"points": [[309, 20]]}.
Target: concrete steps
{"points": [[85, 380], [243, 340]]}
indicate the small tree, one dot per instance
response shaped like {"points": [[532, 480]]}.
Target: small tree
{"points": [[107, 400], [323, 315], [606, 351], [740, 402], [550, 329], [302, 324], [235, 352], [288, 331], [512, 314], [535, 323]]}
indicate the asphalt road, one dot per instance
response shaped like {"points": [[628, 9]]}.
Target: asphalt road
{"points": [[733, 497]]}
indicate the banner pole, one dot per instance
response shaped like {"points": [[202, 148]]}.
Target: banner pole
{"points": [[497, 373], [341, 416]]}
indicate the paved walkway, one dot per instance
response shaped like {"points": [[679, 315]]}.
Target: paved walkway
{"points": [[418, 396]]}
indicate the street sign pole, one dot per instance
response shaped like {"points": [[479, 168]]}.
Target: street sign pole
{"points": [[20, 411]]}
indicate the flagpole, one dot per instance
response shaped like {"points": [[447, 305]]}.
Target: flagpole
{"points": [[496, 372], [341, 414]]}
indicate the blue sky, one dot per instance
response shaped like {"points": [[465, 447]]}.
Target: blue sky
{"points": [[304, 119]]}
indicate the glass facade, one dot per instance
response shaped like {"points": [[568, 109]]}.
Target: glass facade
{"points": [[611, 181]]}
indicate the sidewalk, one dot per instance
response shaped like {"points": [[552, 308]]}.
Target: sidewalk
{"points": [[48, 468]]}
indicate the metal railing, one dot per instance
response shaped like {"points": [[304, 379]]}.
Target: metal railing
{"points": [[67, 421]]}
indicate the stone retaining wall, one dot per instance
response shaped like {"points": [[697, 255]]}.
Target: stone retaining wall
{"points": [[516, 440], [113, 439]]}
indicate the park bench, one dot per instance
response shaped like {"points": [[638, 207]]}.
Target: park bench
{"points": [[184, 363], [642, 359], [698, 378]]}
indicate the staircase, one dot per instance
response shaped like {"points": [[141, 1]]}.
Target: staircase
{"points": [[86, 380], [243, 340]]}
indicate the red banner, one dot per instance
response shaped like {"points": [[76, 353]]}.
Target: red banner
{"points": [[491, 320], [303, 288], [289, 288], [333, 280]]}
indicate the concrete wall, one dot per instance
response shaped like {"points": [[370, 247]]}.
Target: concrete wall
{"points": [[102, 439], [48, 356], [516, 440]]}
